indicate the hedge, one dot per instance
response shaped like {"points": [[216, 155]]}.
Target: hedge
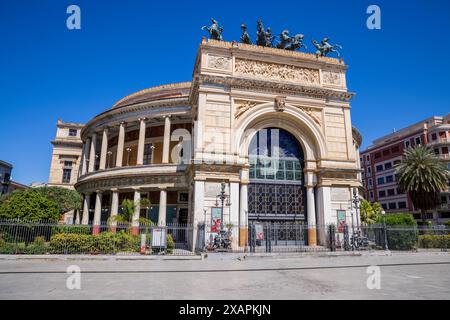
{"points": [[105, 242], [401, 230], [39, 246], [71, 229], [434, 241], [73, 243]]}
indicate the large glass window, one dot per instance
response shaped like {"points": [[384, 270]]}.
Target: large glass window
{"points": [[274, 154], [276, 176]]}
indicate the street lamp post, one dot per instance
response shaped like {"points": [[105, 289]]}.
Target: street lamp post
{"points": [[355, 201], [222, 196], [383, 213]]}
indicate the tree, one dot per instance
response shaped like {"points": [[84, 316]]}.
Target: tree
{"points": [[65, 199], [28, 205], [128, 207], [422, 175], [369, 212]]}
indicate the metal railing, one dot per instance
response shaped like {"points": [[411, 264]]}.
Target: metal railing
{"points": [[51, 237], [380, 237]]}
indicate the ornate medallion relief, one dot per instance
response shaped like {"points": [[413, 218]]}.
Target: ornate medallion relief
{"points": [[331, 77], [273, 71], [218, 62], [280, 103]]}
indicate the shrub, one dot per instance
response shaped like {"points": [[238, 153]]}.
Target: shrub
{"points": [[434, 241], [170, 244], [28, 205], [7, 247], [71, 243]]}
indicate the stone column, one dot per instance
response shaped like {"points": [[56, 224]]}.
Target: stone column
{"points": [[166, 142], [162, 207], [137, 211], [120, 143], [77, 217], [103, 150], [141, 143], [84, 163], [243, 211], [86, 204], [199, 213], [97, 213], [311, 215], [114, 208], [92, 153], [323, 211], [234, 214]]}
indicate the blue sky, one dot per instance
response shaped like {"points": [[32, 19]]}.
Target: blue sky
{"points": [[399, 73]]}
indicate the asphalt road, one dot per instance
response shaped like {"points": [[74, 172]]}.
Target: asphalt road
{"points": [[402, 276]]}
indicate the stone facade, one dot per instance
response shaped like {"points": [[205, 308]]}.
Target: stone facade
{"points": [[237, 90], [66, 156]]}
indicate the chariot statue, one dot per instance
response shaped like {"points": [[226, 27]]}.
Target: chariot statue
{"points": [[324, 47], [245, 38], [263, 38], [215, 32], [290, 43]]}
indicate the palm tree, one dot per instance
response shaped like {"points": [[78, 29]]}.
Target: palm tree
{"points": [[422, 175], [128, 207], [369, 212]]}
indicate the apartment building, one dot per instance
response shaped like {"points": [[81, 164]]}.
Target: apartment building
{"points": [[379, 159]]}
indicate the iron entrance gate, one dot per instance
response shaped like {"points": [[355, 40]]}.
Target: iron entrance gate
{"points": [[275, 201], [279, 236]]}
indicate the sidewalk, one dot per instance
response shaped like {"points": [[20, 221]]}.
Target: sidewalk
{"points": [[96, 257]]}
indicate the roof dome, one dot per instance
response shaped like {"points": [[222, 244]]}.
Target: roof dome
{"points": [[167, 91]]}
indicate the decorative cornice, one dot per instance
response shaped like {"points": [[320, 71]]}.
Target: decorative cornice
{"points": [[130, 182], [77, 143], [277, 87]]}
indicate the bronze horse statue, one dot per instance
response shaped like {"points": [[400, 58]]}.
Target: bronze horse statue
{"points": [[215, 32], [290, 43], [324, 47]]}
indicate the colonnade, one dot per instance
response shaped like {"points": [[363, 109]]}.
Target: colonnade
{"points": [[90, 151]]}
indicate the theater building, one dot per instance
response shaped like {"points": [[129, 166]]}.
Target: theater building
{"points": [[274, 125]]}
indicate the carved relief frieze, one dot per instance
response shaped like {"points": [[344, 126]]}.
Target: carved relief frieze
{"points": [[242, 106], [314, 113], [274, 71], [219, 62], [125, 182]]}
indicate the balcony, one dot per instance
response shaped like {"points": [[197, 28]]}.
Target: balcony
{"points": [[439, 141]]}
